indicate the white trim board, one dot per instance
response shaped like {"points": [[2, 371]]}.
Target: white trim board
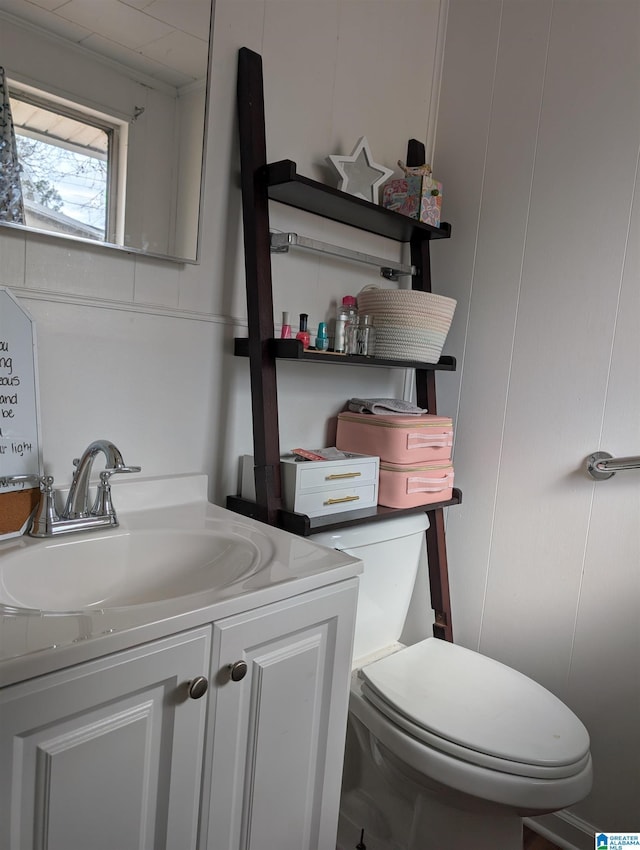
{"points": [[564, 829]]}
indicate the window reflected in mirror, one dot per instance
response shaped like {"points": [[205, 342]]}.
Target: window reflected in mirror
{"points": [[109, 110], [68, 168]]}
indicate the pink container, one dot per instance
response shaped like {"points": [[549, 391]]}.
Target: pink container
{"points": [[396, 439], [405, 485]]}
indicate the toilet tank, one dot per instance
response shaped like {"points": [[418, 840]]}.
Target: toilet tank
{"points": [[393, 553]]}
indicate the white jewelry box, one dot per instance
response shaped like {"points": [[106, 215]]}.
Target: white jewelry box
{"points": [[321, 487]]}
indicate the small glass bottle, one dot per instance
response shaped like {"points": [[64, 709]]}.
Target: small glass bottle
{"points": [[303, 333], [361, 338], [350, 307], [350, 304]]}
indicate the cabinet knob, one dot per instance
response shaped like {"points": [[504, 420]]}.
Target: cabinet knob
{"points": [[238, 670], [198, 687]]}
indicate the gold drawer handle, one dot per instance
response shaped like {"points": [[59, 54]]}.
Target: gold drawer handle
{"points": [[342, 475], [343, 499]]}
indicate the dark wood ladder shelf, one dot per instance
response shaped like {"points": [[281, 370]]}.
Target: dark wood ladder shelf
{"points": [[304, 525], [284, 184], [279, 181], [292, 349]]}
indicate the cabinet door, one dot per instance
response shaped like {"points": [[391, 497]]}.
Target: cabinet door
{"points": [[106, 755], [278, 734]]}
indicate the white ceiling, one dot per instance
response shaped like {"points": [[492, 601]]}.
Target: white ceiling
{"points": [[164, 39], [30, 119]]}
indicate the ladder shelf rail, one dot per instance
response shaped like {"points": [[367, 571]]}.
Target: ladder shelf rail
{"points": [[279, 181]]}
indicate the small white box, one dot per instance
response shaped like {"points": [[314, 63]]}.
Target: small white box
{"points": [[319, 487]]}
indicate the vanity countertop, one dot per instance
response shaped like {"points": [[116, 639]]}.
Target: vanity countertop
{"points": [[34, 642]]}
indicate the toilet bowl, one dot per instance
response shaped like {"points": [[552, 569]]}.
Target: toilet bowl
{"points": [[445, 747]]}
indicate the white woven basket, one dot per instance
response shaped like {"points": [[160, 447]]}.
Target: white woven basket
{"points": [[410, 325], [403, 319], [419, 355], [396, 346], [406, 299]]}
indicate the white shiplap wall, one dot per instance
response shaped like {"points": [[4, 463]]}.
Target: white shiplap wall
{"points": [[140, 350], [537, 146], [537, 150]]}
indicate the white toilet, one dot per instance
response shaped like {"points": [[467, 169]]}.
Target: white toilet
{"points": [[446, 749]]}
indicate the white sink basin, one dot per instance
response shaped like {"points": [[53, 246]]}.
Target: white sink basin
{"points": [[121, 569]]}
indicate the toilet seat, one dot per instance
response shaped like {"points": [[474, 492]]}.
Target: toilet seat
{"points": [[477, 710]]}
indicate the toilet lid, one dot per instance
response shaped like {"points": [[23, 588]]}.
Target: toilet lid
{"points": [[439, 691]]}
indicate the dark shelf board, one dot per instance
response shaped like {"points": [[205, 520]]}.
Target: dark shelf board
{"points": [[304, 526], [291, 349], [285, 185]]}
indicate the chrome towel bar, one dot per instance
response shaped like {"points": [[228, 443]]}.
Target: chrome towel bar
{"points": [[281, 242], [601, 465]]}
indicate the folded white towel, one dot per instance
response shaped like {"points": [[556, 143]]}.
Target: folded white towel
{"points": [[384, 406]]}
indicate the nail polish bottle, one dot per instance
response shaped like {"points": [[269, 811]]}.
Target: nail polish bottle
{"points": [[303, 333], [322, 339], [285, 330]]}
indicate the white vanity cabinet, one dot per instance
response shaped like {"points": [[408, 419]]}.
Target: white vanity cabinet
{"points": [[115, 754], [106, 755], [277, 734]]}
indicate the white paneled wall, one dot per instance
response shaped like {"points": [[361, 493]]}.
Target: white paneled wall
{"points": [[537, 143], [537, 146], [140, 350]]}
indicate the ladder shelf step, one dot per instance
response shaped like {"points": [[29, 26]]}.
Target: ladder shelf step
{"points": [[292, 349]]}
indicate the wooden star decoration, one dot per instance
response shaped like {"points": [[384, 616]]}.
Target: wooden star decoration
{"points": [[359, 174]]}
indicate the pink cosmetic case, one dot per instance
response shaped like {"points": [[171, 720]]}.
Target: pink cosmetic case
{"points": [[407, 485], [414, 452], [397, 439]]}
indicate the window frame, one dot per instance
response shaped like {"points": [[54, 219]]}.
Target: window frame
{"points": [[117, 134]]}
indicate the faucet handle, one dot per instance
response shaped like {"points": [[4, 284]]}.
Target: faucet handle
{"points": [[46, 483], [103, 506], [46, 514]]}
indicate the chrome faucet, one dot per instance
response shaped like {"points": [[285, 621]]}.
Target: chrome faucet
{"points": [[77, 506], [76, 516]]}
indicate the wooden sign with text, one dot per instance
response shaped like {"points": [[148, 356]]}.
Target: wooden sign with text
{"points": [[19, 414]]}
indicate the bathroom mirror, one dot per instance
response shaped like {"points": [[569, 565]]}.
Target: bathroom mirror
{"points": [[109, 103]]}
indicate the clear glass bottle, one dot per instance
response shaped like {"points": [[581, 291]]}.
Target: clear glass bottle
{"points": [[350, 308], [361, 338]]}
